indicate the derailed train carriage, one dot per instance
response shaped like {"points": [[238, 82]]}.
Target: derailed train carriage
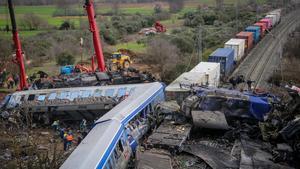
{"points": [[215, 108], [115, 136], [76, 103]]}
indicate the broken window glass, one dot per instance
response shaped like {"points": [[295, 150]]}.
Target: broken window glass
{"points": [[31, 97]]}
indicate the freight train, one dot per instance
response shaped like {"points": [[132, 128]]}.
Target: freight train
{"points": [[237, 48]]}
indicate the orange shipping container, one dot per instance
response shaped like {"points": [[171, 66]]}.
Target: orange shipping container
{"points": [[263, 28], [248, 36]]}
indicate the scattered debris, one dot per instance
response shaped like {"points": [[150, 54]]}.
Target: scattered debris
{"points": [[153, 160]]}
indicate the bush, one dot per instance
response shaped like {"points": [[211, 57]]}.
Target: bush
{"points": [[65, 58], [66, 25]]}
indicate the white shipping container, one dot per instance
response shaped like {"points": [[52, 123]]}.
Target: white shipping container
{"points": [[238, 45], [276, 12], [273, 19], [185, 79], [211, 71]]}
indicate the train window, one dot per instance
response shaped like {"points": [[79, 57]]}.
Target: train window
{"points": [[109, 164], [120, 146], [52, 96], [98, 93], [41, 97], [74, 95], [86, 93], [31, 97], [109, 92], [122, 92]]}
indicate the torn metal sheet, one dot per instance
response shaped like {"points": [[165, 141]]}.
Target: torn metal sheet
{"points": [[169, 135], [210, 119], [291, 130], [214, 157], [153, 160], [254, 155]]}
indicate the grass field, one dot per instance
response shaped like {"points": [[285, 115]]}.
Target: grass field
{"points": [[46, 12], [135, 47]]}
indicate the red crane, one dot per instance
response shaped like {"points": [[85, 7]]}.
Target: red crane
{"points": [[19, 54], [89, 6]]}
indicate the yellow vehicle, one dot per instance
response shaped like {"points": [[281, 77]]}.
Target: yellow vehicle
{"points": [[119, 61]]}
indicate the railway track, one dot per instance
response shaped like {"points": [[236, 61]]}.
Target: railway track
{"points": [[259, 64]]}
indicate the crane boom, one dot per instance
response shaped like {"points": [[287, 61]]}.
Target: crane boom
{"points": [[19, 54], [96, 36]]}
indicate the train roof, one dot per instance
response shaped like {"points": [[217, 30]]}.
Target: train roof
{"points": [[127, 109], [95, 146]]}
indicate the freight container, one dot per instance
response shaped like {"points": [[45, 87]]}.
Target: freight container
{"points": [[179, 89], [262, 27], [224, 56], [239, 47], [267, 21], [211, 71], [273, 19], [248, 36], [277, 13], [256, 32]]}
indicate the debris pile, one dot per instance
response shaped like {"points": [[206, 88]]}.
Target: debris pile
{"points": [[122, 76], [229, 129]]}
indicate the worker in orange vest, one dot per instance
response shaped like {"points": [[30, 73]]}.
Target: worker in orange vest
{"points": [[69, 139]]}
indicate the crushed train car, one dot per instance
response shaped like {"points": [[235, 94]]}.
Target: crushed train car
{"points": [[214, 108]]}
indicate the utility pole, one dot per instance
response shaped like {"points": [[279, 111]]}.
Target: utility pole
{"points": [[237, 15], [199, 43]]}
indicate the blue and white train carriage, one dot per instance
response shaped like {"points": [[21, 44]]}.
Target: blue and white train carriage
{"points": [[114, 137]]}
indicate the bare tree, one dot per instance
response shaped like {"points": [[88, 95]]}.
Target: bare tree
{"points": [[32, 22], [163, 54]]}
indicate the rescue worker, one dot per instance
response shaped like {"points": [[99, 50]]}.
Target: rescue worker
{"points": [[65, 140], [16, 79], [55, 125], [69, 139], [10, 82]]}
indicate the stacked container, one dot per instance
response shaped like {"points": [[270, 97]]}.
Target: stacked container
{"points": [[238, 45], [273, 18], [277, 13], [262, 27], [224, 56], [211, 72], [248, 36], [256, 32], [266, 21]]}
